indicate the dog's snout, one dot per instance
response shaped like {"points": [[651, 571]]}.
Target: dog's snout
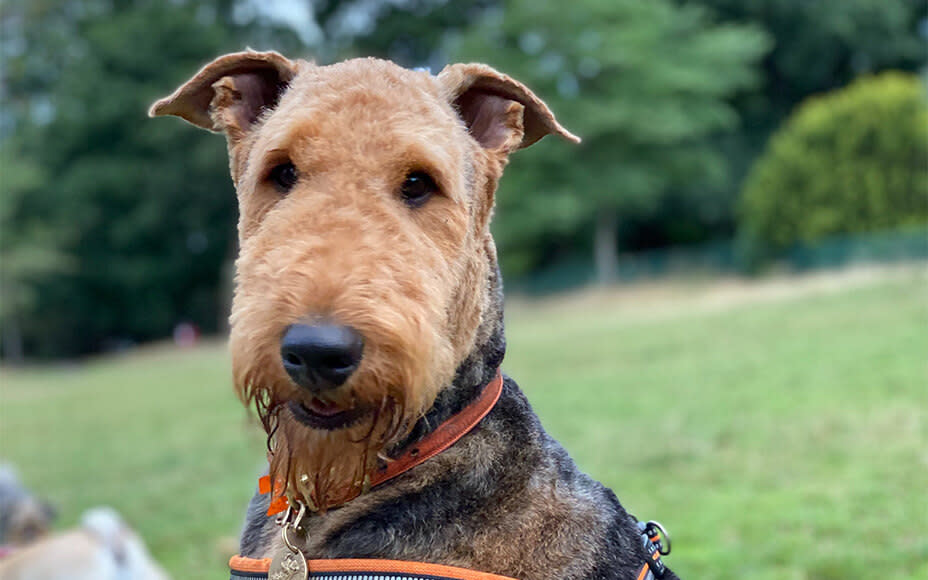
{"points": [[320, 357]]}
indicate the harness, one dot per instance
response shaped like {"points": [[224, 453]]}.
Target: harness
{"points": [[293, 565], [652, 537], [250, 569]]}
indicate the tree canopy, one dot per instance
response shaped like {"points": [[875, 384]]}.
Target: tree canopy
{"points": [[141, 213], [114, 228], [645, 84]]}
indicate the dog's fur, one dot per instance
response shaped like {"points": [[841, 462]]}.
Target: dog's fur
{"points": [[422, 287], [102, 548], [24, 517]]}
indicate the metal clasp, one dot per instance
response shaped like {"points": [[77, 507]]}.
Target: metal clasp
{"points": [[653, 528], [292, 518]]}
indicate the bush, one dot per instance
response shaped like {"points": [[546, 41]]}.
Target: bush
{"points": [[853, 160]]}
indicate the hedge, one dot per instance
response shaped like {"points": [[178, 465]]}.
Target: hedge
{"points": [[853, 160]]}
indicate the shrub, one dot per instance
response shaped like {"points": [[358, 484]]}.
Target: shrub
{"points": [[853, 160]]}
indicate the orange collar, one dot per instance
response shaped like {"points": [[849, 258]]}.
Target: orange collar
{"points": [[443, 437]]}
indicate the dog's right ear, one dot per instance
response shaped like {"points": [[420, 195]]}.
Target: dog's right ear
{"points": [[230, 93], [501, 113]]}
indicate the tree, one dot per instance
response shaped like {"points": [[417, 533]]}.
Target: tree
{"points": [[143, 212], [29, 251], [409, 32], [643, 83], [852, 160], [820, 46]]}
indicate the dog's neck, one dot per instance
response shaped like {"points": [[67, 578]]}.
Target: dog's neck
{"points": [[477, 370]]}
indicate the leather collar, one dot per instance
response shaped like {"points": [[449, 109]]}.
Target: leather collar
{"points": [[443, 437]]}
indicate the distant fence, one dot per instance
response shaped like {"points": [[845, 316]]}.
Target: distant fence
{"points": [[726, 257], [840, 251]]}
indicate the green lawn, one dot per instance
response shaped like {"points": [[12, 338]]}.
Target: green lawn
{"points": [[778, 437]]}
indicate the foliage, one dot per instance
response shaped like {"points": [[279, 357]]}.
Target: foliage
{"points": [[103, 211], [824, 45], [853, 160], [29, 251], [643, 83], [142, 211], [407, 32], [819, 46]]}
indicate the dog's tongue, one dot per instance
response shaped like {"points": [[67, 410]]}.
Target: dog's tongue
{"points": [[322, 408]]}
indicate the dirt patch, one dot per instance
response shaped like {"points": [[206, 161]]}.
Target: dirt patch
{"points": [[676, 296]]}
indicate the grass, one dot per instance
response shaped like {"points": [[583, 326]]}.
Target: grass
{"points": [[777, 435]]}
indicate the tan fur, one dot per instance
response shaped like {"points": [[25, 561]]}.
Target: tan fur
{"points": [[341, 246], [112, 551]]}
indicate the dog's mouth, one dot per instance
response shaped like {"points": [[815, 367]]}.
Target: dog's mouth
{"points": [[320, 414]]}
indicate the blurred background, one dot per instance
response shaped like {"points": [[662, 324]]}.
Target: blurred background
{"points": [[735, 256]]}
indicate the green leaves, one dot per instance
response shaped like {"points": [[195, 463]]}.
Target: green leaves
{"points": [[103, 212], [643, 83], [124, 223], [848, 161]]}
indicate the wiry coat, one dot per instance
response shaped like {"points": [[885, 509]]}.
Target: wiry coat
{"points": [[421, 284]]}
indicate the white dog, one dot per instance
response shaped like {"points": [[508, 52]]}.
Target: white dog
{"points": [[102, 548]]}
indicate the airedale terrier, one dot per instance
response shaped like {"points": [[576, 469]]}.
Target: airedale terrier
{"points": [[368, 317]]}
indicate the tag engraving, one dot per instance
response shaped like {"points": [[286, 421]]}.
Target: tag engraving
{"points": [[291, 567]]}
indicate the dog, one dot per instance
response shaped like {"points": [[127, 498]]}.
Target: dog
{"points": [[24, 518], [102, 548], [367, 319]]}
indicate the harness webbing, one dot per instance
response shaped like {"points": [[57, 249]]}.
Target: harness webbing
{"points": [[251, 569]]}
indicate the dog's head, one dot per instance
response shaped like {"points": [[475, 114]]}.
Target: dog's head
{"points": [[366, 264], [23, 517]]}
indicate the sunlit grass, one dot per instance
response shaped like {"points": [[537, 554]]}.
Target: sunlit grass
{"points": [[776, 439]]}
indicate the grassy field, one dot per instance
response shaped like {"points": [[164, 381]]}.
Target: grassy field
{"points": [[778, 430]]}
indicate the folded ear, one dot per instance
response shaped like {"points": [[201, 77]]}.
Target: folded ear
{"points": [[501, 113], [231, 92]]}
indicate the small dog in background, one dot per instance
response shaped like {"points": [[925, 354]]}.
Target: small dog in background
{"points": [[102, 548], [24, 518]]}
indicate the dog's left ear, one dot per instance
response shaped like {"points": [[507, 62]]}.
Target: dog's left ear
{"points": [[501, 113], [230, 93]]}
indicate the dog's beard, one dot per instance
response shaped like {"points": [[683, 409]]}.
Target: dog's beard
{"points": [[325, 468]]}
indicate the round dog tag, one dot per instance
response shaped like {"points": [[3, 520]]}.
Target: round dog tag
{"points": [[289, 566]]}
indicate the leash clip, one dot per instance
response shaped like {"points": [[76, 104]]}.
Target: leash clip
{"points": [[293, 564], [288, 520], [657, 535], [653, 537]]}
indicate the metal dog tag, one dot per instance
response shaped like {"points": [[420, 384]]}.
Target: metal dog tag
{"points": [[290, 564]]}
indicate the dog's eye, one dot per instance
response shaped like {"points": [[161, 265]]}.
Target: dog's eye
{"points": [[418, 188], [284, 177]]}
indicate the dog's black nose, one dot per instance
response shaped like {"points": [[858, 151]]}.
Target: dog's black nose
{"points": [[320, 357]]}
